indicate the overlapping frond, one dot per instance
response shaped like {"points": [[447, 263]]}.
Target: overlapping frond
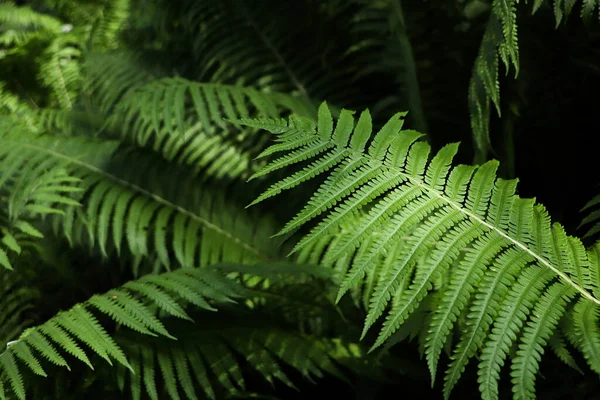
{"points": [[215, 360], [73, 333], [301, 62], [31, 185], [185, 121], [166, 104], [592, 219], [109, 77], [497, 259], [109, 22], [17, 298], [144, 209], [20, 23], [225, 355], [500, 41], [60, 69]]}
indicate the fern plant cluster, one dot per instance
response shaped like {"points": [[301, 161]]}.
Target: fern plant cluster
{"points": [[151, 152]]}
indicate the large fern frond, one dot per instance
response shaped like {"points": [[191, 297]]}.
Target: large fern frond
{"points": [[427, 225], [225, 355], [134, 209]]}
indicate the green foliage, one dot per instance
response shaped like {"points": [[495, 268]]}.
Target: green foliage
{"points": [[31, 185], [592, 217], [127, 128], [500, 40], [210, 359], [495, 257], [126, 306]]}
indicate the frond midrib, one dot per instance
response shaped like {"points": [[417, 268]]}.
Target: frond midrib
{"points": [[469, 214], [204, 222]]}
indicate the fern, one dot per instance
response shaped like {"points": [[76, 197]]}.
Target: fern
{"points": [[31, 185], [60, 70], [461, 221], [108, 24], [302, 62], [16, 302], [210, 359], [150, 221], [500, 40], [185, 122], [67, 331], [16, 19], [592, 218], [45, 45], [220, 357]]}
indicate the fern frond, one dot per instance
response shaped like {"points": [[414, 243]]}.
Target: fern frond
{"points": [[381, 29], [214, 360], [129, 306], [31, 185], [108, 24], [535, 335], [592, 218], [60, 69], [586, 333], [500, 40], [301, 62], [180, 119], [24, 18], [123, 209], [460, 222], [163, 105], [10, 103], [484, 86], [17, 298], [109, 77]]}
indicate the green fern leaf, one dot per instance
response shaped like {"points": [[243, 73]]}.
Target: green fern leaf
{"points": [[425, 221], [526, 363], [127, 306]]}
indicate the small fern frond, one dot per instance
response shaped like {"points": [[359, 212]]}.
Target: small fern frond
{"points": [[484, 87], [424, 220], [31, 185], [500, 40], [60, 69], [73, 331]]}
